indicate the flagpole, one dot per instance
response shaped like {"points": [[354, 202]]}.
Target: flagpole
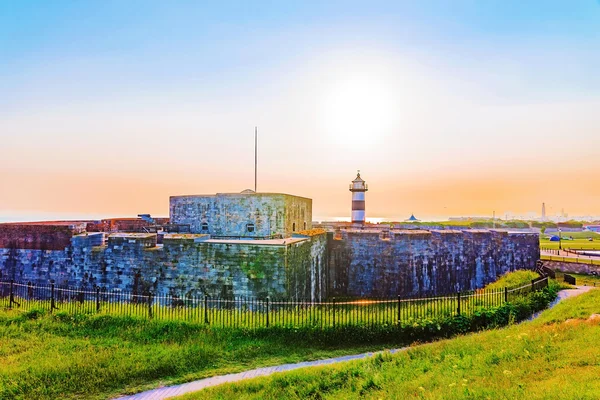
{"points": [[255, 156]]}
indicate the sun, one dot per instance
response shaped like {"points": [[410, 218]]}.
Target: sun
{"points": [[359, 109]]}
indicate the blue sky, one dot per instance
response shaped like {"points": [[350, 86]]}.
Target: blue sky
{"points": [[143, 44], [90, 91]]}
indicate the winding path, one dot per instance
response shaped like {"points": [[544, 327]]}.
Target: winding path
{"points": [[178, 390]]}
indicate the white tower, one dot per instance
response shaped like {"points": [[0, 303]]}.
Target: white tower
{"points": [[358, 189], [543, 211]]}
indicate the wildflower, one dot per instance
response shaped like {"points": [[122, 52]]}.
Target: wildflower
{"points": [[421, 388], [507, 372], [452, 384], [465, 381]]}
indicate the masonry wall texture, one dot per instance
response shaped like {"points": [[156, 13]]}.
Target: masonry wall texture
{"points": [[577, 268], [311, 264], [123, 224], [416, 262], [228, 214], [184, 265], [38, 236]]}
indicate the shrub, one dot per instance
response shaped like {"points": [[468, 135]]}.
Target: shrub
{"points": [[34, 313]]}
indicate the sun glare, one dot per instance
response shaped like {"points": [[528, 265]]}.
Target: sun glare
{"points": [[360, 110]]}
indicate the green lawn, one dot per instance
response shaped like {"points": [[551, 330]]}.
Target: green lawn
{"points": [[586, 280], [98, 356], [549, 358], [95, 357], [580, 241]]}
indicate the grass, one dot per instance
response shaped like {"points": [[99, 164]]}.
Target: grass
{"points": [[579, 241], [67, 357], [513, 279], [549, 358], [71, 356], [576, 235], [586, 280]]}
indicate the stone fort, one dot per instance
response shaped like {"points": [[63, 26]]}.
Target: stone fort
{"points": [[257, 245]]}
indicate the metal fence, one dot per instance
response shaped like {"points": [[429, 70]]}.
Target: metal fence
{"points": [[242, 312]]}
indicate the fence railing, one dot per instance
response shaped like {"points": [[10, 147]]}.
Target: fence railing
{"points": [[246, 312], [570, 259]]}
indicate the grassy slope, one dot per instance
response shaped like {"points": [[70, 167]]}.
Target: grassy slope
{"points": [[99, 356], [102, 356], [513, 279], [547, 358]]}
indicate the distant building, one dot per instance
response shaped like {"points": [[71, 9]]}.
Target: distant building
{"points": [[543, 211], [412, 219], [593, 228]]}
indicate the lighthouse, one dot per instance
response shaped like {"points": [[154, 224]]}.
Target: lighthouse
{"points": [[358, 189]]}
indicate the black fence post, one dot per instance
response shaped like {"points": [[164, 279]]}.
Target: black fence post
{"points": [[150, 299], [333, 301], [52, 305], [206, 309], [505, 294], [533, 285], [398, 309], [11, 296], [97, 299], [267, 311], [29, 290], [457, 303]]}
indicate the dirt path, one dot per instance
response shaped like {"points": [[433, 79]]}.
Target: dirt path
{"points": [[178, 390]]}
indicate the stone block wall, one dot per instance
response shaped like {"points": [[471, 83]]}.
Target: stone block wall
{"points": [[123, 224], [576, 268], [310, 265], [38, 236], [183, 265], [414, 262], [229, 214]]}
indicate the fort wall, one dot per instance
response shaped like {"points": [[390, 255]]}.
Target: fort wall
{"points": [[309, 265], [186, 264], [417, 262], [36, 236], [577, 268]]}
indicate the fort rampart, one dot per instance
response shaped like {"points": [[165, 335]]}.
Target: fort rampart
{"points": [[419, 262], [309, 265], [185, 264]]}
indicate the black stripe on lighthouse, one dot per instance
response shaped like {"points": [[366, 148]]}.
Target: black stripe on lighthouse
{"points": [[358, 205]]}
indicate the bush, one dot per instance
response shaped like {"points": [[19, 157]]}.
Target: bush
{"points": [[420, 329], [34, 313]]}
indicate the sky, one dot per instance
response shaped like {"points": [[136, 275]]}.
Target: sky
{"points": [[447, 108]]}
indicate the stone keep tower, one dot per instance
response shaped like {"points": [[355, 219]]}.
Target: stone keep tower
{"points": [[358, 189]]}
